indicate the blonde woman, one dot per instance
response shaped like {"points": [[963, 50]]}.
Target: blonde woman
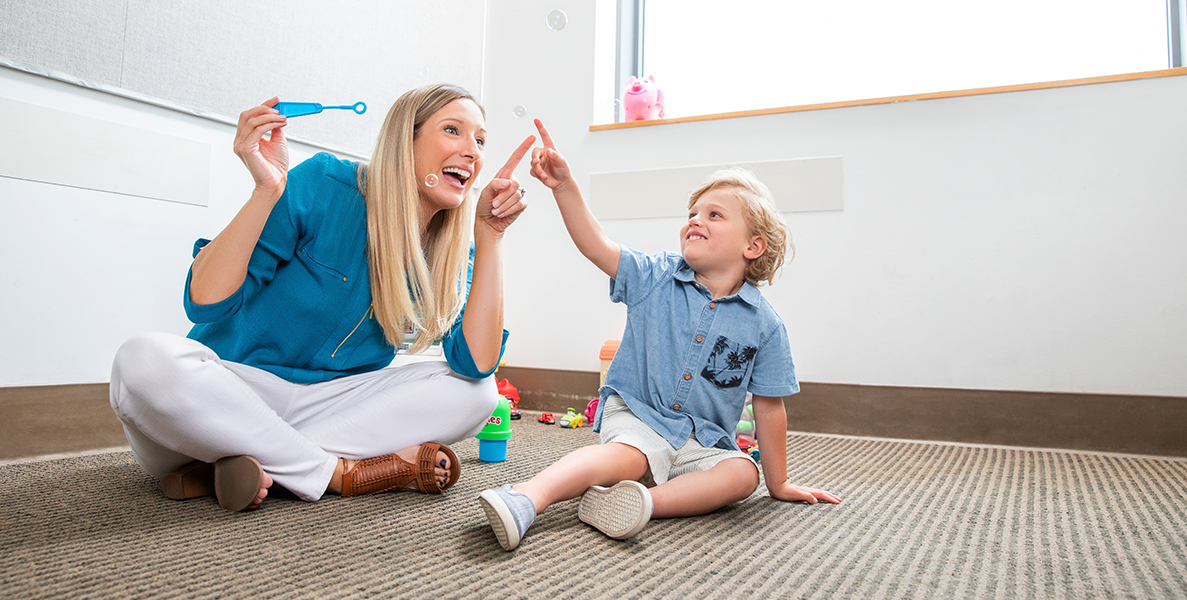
{"points": [[299, 305]]}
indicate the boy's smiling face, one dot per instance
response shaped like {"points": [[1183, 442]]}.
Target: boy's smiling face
{"points": [[716, 239]]}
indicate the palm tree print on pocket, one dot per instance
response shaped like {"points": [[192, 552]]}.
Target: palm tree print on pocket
{"points": [[727, 363]]}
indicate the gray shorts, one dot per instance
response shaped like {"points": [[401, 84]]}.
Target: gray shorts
{"points": [[621, 425]]}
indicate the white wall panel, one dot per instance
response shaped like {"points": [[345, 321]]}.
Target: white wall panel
{"points": [[54, 146]]}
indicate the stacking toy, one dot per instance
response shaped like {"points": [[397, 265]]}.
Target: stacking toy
{"points": [[300, 109], [492, 440], [609, 349], [746, 426]]}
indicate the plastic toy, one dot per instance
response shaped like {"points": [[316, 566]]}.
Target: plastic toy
{"points": [[547, 419], [572, 420], [745, 434], [492, 440], [591, 410], [511, 393], [300, 109], [750, 447], [609, 349], [642, 100]]}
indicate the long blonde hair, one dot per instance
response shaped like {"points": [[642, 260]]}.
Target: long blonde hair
{"points": [[762, 218], [414, 282]]}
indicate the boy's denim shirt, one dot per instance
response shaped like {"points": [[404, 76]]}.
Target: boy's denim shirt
{"points": [[687, 360]]}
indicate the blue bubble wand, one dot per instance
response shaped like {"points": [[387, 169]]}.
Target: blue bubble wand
{"points": [[300, 109]]}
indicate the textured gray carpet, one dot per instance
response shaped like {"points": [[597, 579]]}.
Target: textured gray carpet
{"points": [[918, 521]]}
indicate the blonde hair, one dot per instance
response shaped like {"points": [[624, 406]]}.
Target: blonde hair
{"points": [[762, 218], [414, 281]]}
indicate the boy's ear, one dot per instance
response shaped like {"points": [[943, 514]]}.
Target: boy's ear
{"points": [[758, 246]]}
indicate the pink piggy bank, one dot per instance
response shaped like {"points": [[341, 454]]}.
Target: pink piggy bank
{"points": [[642, 100]]}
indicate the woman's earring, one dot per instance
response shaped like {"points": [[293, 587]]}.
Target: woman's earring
{"points": [[431, 180]]}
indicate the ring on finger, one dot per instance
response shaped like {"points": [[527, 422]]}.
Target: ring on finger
{"points": [[522, 192]]}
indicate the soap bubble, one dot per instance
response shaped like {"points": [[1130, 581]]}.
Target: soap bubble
{"points": [[431, 180], [519, 111], [557, 20]]}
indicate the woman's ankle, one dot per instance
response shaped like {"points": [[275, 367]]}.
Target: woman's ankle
{"points": [[335, 485]]}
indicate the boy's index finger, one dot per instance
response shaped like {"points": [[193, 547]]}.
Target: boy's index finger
{"points": [[516, 156], [544, 137]]}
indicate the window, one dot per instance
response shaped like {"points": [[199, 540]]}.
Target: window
{"points": [[710, 56]]}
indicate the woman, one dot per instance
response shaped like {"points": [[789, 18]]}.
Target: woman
{"points": [[300, 303]]}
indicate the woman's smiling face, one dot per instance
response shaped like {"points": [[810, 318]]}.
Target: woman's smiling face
{"points": [[450, 146]]}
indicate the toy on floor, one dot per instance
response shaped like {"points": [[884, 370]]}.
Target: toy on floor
{"points": [[606, 354], [492, 440], [300, 109], [750, 447], [572, 420], [547, 419], [511, 393], [591, 410], [642, 100], [745, 436]]}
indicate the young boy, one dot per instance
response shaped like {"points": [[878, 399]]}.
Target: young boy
{"points": [[699, 335]]}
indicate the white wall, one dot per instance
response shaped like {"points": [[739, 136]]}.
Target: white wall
{"points": [[81, 270], [224, 55], [1024, 241]]}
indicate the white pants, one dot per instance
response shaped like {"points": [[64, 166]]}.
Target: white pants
{"points": [[179, 402]]}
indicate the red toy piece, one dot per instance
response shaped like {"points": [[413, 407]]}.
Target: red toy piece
{"points": [[511, 393], [547, 419], [749, 446]]}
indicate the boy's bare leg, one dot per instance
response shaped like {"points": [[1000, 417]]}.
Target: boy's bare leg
{"points": [[729, 481], [569, 477]]}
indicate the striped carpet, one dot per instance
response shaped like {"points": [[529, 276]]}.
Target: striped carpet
{"points": [[919, 521]]}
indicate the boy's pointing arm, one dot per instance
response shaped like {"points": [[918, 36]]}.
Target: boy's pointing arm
{"points": [[553, 171]]}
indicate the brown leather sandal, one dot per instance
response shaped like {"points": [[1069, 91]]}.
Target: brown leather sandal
{"points": [[237, 482], [191, 480], [390, 472]]}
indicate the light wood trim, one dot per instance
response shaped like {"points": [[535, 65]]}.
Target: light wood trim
{"points": [[892, 99]]}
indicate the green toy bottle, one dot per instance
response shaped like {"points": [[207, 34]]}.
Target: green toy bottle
{"points": [[492, 440]]}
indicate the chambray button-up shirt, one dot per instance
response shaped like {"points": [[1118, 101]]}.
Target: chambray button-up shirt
{"points": [[686, 359]]}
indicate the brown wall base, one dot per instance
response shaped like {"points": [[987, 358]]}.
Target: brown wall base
{"points": [[1109, 423], [54, 419], [74, 418]]}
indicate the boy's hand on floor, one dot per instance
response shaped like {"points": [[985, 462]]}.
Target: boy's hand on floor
{"points": [[794, 493]]}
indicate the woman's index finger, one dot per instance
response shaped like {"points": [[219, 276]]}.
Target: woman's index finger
{"points": [[516, 156], [544, 137]]}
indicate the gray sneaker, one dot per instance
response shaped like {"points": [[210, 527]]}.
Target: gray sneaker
{"points": [[510, 514], [619, 511]]}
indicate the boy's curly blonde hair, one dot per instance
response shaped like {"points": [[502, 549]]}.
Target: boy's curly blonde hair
{"points": [[764, 220]]}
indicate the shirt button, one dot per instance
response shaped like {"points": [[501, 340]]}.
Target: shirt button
{"points": [[712, 305], [676, 407], [343, 279], [700, 339], [687, 376]]}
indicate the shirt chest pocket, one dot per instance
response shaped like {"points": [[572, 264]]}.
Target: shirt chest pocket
{"points": [[728, 363], [324, 265]]}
